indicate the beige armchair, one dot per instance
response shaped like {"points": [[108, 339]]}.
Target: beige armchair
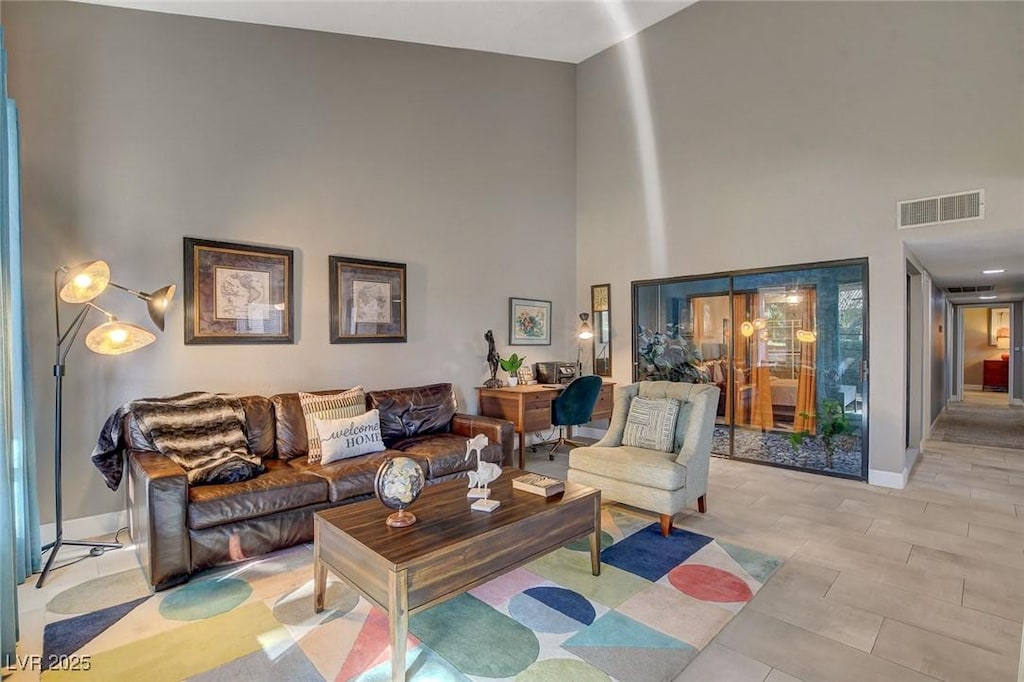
{"points": [[662, 482]]}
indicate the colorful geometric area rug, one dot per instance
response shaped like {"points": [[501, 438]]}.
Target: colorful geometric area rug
{"points": [[656, 604]]}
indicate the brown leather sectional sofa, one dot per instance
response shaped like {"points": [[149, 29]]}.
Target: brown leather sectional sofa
{"points": [[180, 530]]}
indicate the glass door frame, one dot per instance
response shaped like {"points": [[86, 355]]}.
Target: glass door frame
{"points": [[730, 275]]}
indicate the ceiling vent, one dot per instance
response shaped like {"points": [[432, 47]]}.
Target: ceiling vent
{"points": [[970, 290], [948, 208]]}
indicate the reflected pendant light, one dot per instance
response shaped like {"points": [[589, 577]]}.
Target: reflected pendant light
{"points": [[759, 323], [747, 329], [85, 281], [806, 336], [114, 337]]}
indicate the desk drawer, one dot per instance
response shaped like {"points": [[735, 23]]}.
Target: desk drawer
{"points": [[537, 412], [605, 401]]}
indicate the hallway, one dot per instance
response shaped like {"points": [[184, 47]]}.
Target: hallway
{"points": [[982, 419]]}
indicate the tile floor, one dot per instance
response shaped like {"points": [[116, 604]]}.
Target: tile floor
{"points": [[917, 584]]}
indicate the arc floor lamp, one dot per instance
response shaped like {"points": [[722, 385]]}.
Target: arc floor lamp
{"points": [[80, 285]]}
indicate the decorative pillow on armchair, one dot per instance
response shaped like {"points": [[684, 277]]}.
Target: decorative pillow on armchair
{"points": [[651, 423], [350, 403]]}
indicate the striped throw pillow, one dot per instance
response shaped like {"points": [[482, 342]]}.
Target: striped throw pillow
{"points": [[651, 423], [347, 404]]}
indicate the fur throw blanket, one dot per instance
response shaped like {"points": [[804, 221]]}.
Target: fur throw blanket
{"points": [[203, 433]]}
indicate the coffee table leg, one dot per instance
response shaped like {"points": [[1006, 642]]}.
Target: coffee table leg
{"points": [[319, 573], [398, 622], [595, 539]]}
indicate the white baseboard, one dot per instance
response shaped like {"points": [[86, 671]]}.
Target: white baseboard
{"points": [[973, 387], [888, 479], [86, 527], [1017, 401]]}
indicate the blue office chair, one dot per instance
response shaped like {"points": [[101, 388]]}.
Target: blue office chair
{"points": [[573, 407]]}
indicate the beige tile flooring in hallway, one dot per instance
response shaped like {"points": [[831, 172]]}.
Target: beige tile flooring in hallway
{"points": [[917, 584]]}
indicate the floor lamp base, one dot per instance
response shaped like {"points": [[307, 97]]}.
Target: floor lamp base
{"points": [[98, 549]]}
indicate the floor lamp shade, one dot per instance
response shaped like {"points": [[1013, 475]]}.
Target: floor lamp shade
{"points": [[85, 281], [115, 337], [585, 331]]}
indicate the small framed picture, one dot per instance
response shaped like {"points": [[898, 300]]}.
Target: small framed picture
{"points": [[367, 300], [998, 325], [238, 293], [529, 322]]}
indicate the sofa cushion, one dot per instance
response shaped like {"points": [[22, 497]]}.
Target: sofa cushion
{"points": [[281, 488], [346, 438], [347, 478], [445, 453], [634, 465], [419, 410], [259, 424], [651, 423], [290, 434], [350, 403]]}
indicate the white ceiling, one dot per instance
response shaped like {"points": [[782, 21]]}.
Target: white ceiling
{"points": [[958, 260], [558, 30]]}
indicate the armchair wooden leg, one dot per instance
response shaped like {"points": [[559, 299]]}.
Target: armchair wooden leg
{"points": [[666, 524], [702, 505]]}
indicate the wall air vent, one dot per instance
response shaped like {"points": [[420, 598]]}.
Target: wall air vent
{"points": [[970, 290], [944, 209]]}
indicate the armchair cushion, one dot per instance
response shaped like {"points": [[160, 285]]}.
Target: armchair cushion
{"points": [[638, 466], [651, 423]]}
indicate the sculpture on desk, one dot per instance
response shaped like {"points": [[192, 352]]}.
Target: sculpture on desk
{"points": [[492, 362], [480, 480]]}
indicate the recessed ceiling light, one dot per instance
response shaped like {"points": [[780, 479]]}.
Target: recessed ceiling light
{"points": [[993, 272], [987, 298]]}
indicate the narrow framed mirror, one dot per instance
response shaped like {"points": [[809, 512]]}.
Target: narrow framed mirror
{"points": [[601, 314]]}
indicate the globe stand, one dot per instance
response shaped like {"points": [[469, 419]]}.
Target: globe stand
{"points": [[401, 519]]}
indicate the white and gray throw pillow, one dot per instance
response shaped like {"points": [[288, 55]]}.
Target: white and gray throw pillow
{"points": [[351, 437], [651, 423]]}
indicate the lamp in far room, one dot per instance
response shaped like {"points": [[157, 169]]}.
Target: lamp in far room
{"points": [[80, 285], [1003, 343], [585, 333]]}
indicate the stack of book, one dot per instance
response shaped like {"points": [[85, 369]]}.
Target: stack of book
{"points": [[538, 484]]}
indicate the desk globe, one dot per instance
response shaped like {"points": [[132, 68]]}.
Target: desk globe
{"points": [[398, 483]]}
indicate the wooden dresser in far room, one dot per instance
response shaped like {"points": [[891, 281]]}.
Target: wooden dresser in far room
{"points": [[996, 375]]}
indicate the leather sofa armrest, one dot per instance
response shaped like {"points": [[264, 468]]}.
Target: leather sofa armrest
{"points": [[496, 430], [157, 517]]}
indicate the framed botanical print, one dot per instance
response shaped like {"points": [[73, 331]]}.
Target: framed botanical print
{"points": [[998, 325], [238, 293], [367, 300], [529, 322]]}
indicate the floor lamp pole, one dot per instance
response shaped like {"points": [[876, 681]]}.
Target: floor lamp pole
{"points": [[64, 343]]}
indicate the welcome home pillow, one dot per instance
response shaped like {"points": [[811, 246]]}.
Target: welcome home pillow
{"points": [[651, 423], [344, 438], [350, 403]]}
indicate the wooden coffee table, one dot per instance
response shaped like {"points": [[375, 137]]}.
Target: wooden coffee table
{"points": [[450, 549]]}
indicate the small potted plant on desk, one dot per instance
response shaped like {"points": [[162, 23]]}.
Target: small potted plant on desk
{"points": [[511, 365]]}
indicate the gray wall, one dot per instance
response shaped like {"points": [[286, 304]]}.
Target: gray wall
{"points": [[785, 133], [140, 128]]}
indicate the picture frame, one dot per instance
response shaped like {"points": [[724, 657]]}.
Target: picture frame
{"points": [[368, 301], [238, 293], [529, 322], [998, 324]]}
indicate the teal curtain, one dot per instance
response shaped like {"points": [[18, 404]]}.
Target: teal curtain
{"points": [[19, 511]]}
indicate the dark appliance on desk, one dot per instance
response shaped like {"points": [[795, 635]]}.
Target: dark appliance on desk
{"points": [[555, 372]]}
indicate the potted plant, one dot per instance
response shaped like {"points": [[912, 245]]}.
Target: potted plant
{"points": [[511, 365], [832, 425]]}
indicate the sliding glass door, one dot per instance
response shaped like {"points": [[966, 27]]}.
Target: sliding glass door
{"points": [[787, 348]]}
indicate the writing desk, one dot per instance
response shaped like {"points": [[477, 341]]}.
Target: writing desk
{"points": [[528, 407]]}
